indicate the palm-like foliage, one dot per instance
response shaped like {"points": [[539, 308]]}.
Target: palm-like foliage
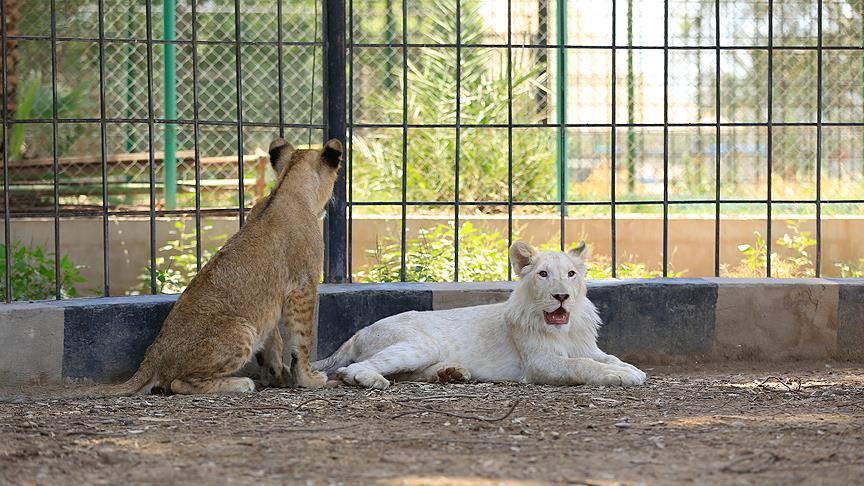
{"points": [[432, 99]]}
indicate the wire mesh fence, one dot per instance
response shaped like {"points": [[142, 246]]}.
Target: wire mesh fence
{"points": [[656, 130], [115, 110], [680, 138], [126, 76]]}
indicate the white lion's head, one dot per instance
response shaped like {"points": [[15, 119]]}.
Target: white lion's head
{"points": [[552, 286]]}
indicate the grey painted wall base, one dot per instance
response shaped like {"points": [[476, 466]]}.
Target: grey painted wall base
{"points": [[646, 321]]}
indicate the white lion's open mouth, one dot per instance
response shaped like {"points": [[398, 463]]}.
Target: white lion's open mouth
{"points": [[558, 317]]}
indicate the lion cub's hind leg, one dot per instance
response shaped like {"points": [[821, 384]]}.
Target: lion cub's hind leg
{"points": [[209, 368], [272, 371], [226, 384], [398, 359], [298, 313]]}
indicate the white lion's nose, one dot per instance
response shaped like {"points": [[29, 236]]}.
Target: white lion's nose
{"points": [[561, 297]]}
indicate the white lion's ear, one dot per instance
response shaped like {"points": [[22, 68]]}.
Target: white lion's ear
{"points": [[521, 255], [581, 251]]}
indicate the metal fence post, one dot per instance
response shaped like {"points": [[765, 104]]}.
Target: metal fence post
{"points": [[169, 9], [335, 227]]}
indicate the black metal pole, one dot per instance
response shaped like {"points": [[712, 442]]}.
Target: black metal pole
{"points": [[335, 229], [55, 108], [665, 263], [717, 174], [7, 236], [103, 145], [349, 159], [238, 67], [770, 136], [196, 133], [613, 158], [819, 80], [510, 135]]}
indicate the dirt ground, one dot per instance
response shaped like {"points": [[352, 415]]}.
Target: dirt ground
{"points": [[739, 424]]}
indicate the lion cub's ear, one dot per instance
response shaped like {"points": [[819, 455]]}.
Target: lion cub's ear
{"points": [[581, 251], [280, 154], [331, 154], [521, 255]]}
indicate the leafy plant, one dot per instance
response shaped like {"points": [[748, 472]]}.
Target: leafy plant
{"points": [[430, 257], [34, 100], [851, 270], [482, 258], [26, 99], [755, 257], [174, 272], [601, 267], [32, 273], [798, 264], [432, 99]]}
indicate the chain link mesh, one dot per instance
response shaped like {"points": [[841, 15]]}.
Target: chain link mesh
{"points": [[126, 91]]}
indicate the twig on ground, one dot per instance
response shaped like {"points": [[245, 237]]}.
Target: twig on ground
{"points": [[437, 439], [234, 409], [440, 397], [455, 414], [723, 405], [779, 380], [307, 402], [315, 429], [851, 404], [751, 463]]}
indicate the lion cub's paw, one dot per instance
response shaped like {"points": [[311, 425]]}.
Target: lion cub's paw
{"points": [[312, 379], [360, 376], [620, 375]]}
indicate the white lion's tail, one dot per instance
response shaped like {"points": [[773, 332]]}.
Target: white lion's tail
{"points": [[342, 357]]}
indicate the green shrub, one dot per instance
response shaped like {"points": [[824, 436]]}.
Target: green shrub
{"points": [[32, 276], [482, 258], [173, 273], [851, 270], [430, 257], [600, 266], [755, 257]]}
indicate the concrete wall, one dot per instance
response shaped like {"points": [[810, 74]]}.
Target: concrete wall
{"points": [[691, 240], [646, 321]]}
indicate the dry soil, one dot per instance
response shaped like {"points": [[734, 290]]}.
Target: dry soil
{"points": [[738, 424]]}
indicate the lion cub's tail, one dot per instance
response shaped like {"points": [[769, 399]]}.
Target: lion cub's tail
{"points": [[140, 384], [342, 357]]}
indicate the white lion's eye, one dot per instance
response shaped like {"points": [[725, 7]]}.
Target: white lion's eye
{"points": [[543, 273], [571, 273]]}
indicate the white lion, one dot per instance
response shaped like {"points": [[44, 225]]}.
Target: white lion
{"points": [[545, 333]]}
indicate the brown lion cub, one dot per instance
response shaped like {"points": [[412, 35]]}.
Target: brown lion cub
{"points": [[266, 273]]}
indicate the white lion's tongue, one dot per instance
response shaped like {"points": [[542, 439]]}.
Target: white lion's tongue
{"points": [[559, 316]]}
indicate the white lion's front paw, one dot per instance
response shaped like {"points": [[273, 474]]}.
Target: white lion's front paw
{"points": [[636, 371], [620, 375]]}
